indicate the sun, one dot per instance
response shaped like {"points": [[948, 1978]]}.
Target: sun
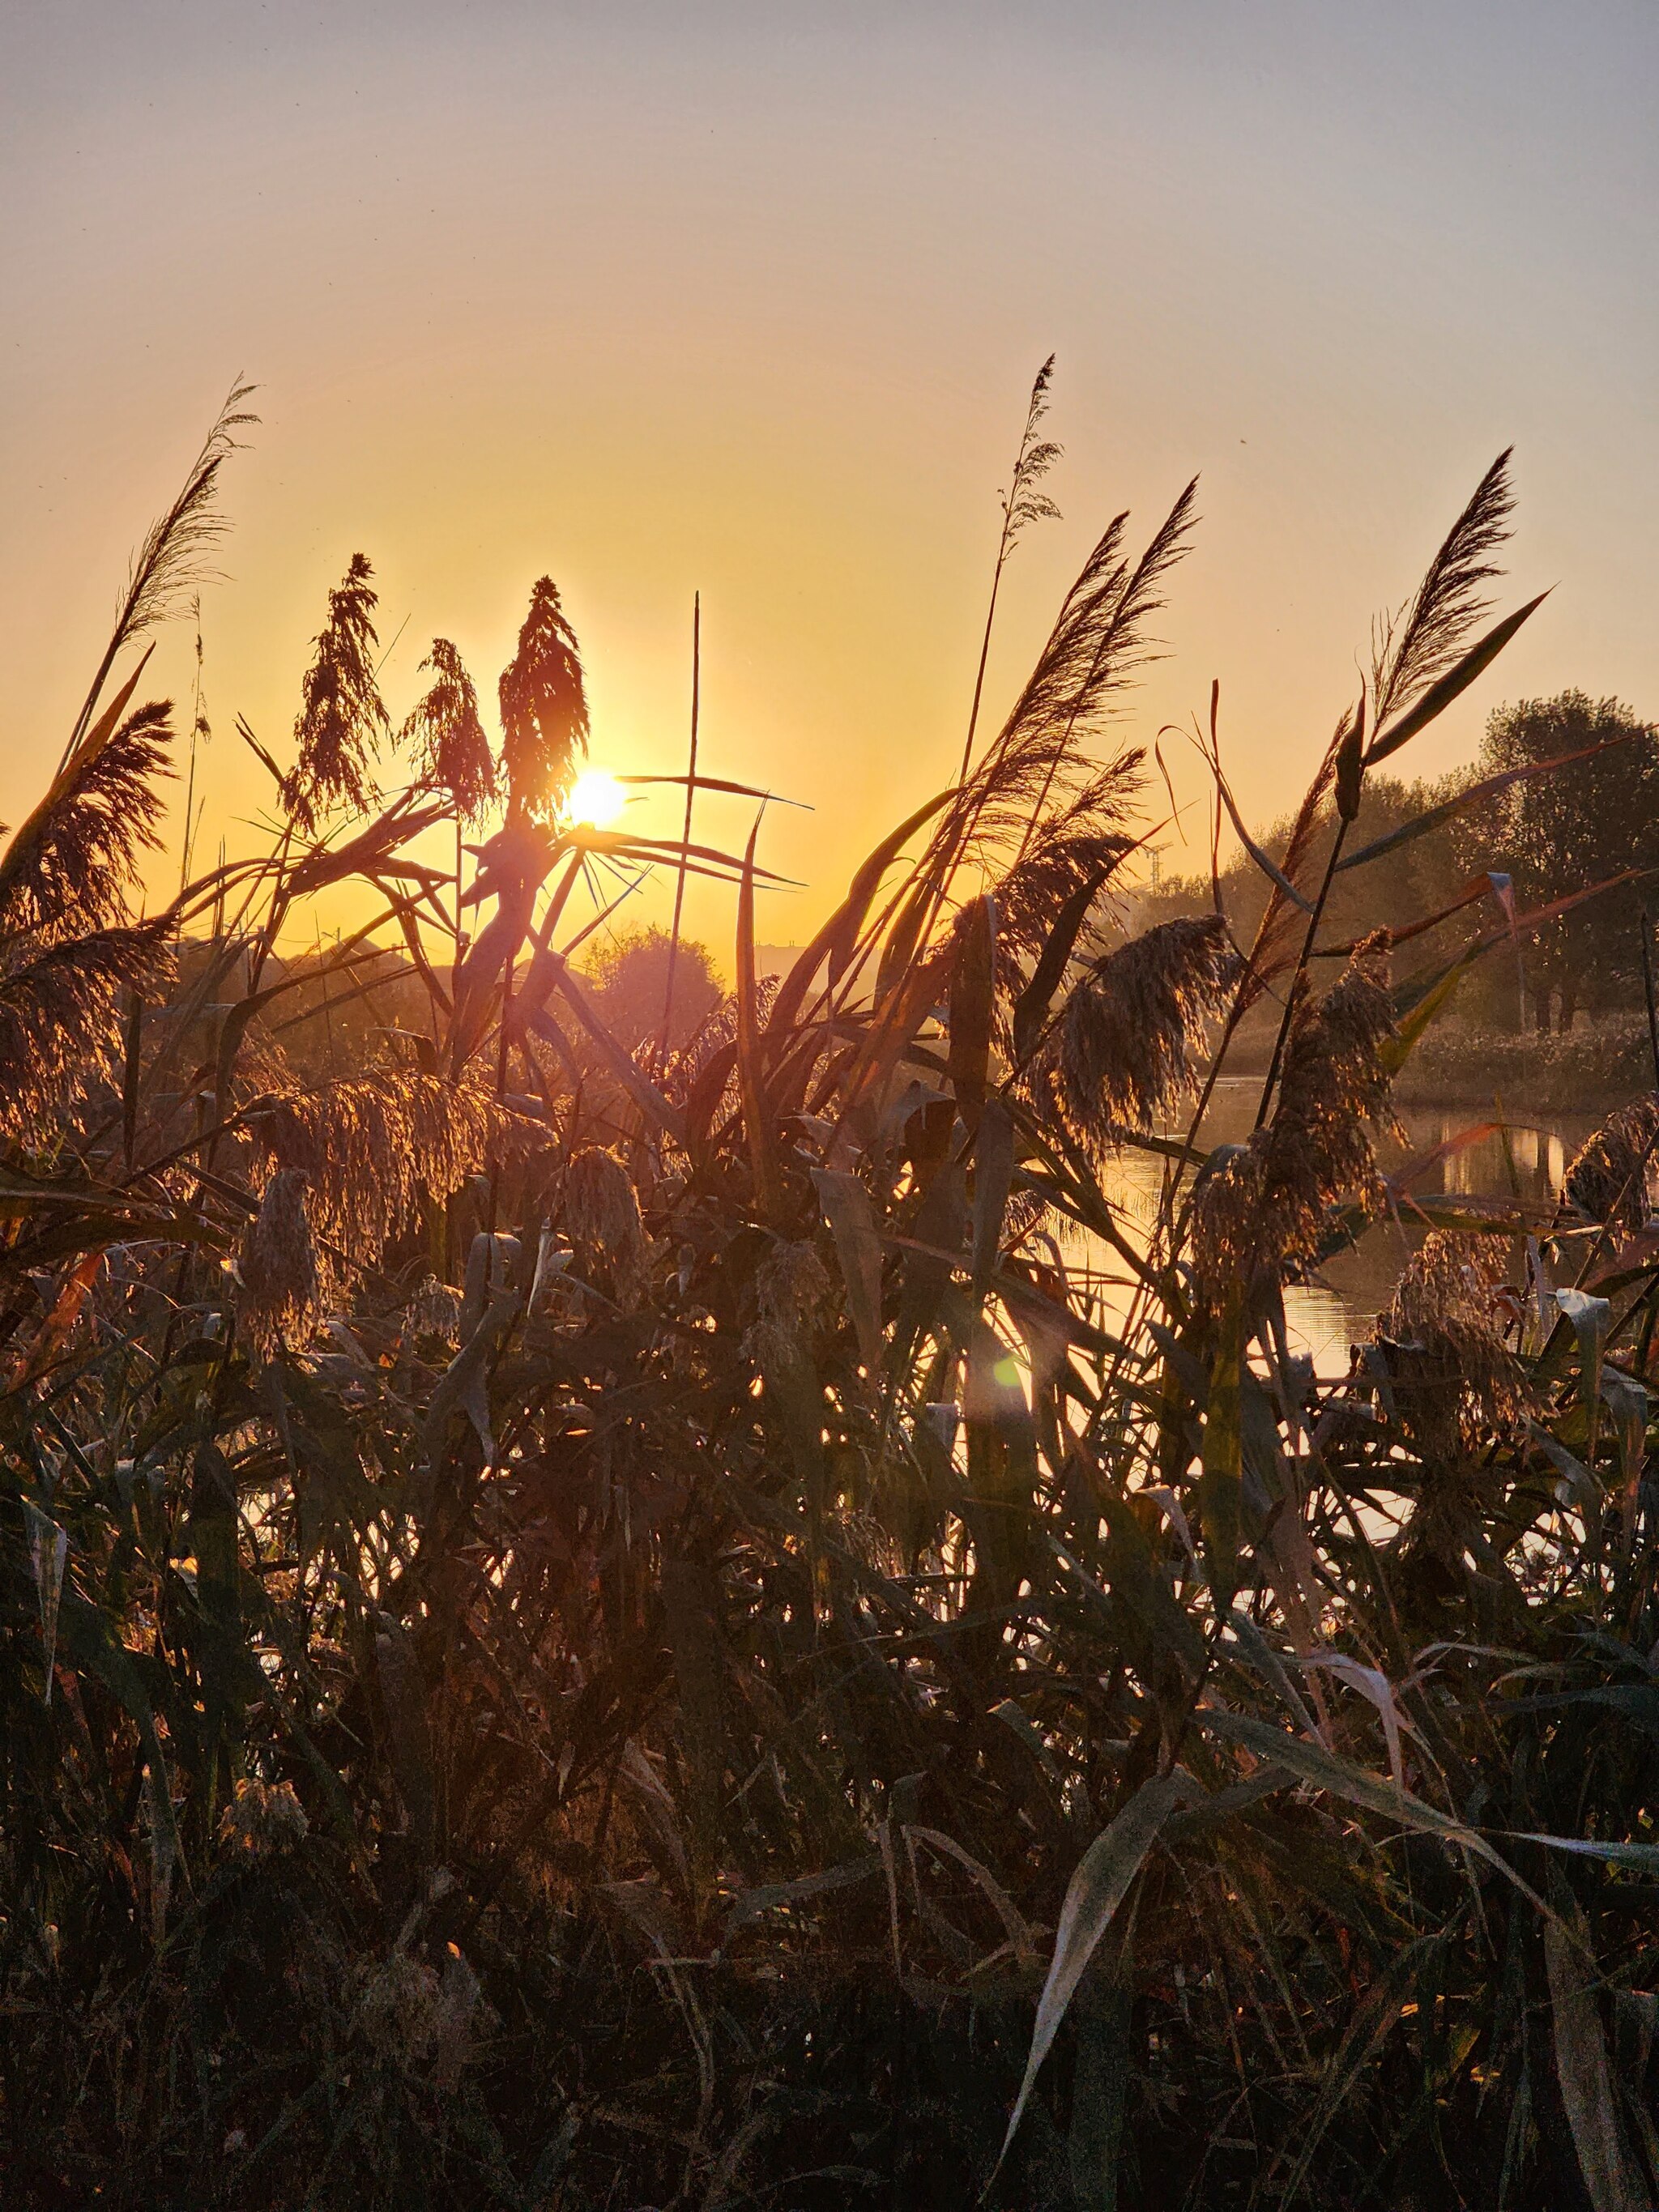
{"points": [[596, 799]]}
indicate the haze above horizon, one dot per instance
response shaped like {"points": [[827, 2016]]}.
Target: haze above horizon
{"points": [[747, 300]]}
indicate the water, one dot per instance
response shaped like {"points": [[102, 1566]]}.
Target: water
{"points": [[1326, 1316]]}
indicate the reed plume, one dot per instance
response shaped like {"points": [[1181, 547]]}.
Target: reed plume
{"points": [[544, 698], [373, 1147], [342, 719], [263, 1819], [1455, 1378], [434, 1309], [1410, 651], [450, 752], [171, 567], [793, 1292], [1099, 640], [1120, 1054], [61, 1022], [282, 1294], [1421, 641], [602, 1215], [1023, 503], [1614, 1175], [1263, 1209], [73, 862], [1082, 840]]}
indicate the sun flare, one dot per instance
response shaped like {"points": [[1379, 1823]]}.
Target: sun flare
{"points": [[597, 799]]}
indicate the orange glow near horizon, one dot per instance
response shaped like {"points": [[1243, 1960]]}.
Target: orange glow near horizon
{"points": [[738, 299]]}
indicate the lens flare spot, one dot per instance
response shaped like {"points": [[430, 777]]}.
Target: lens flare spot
{"points": [[597, 799]]}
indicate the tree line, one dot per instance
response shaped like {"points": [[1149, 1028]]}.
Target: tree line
{"points": [[1539, 839]]}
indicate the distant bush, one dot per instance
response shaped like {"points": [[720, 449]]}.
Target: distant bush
{"points": [[1597, 1064], [631, 976]]}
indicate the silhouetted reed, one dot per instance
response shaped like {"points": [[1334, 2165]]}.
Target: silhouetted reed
{"points": [[589, 1625]]}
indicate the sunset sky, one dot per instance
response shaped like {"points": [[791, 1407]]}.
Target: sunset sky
{"points": [[746, 298]]}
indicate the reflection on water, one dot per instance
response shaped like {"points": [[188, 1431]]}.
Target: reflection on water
{"points": [[1526, 1158]]}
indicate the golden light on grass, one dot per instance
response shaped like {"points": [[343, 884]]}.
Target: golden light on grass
{"points": [[597, 799], [740, 1427]]}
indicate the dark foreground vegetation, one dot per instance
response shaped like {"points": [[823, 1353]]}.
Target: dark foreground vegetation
{"points": [[593, 1622]]}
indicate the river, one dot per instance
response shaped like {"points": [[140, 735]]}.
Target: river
{"points": [[1528, 1159]]}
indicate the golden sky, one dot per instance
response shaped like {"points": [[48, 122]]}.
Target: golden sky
{"points": [[745, 298]]}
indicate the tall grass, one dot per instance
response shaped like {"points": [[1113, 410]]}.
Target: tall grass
{"points": [[586, 1626]]}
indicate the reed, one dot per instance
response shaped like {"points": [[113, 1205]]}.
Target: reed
{"points": [[582, 1626]]}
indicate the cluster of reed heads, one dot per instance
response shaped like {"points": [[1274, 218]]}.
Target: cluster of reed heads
{"points": [[706, 1623]]}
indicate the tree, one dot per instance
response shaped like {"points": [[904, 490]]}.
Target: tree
{"points": [[1559, 834], [630, 981]]}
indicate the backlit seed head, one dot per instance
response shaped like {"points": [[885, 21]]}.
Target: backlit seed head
{"points": [[602, 1214], [281, 1296], [264, 1818]]}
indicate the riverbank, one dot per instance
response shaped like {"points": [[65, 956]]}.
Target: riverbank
{"points": [[1596, 1066], [1599, 1065]]}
